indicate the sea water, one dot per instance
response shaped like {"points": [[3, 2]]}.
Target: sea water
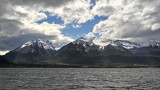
{"points": [[79, 78]]}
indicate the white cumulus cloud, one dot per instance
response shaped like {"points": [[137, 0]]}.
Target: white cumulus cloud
{"points": [[136, 20]]}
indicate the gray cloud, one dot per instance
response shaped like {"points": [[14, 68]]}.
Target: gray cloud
{"points": [[138, 20], [39, 3], [9, 27], [3, 6]]}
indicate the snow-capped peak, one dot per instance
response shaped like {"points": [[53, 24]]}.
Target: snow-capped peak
{"points": [[95, 41], [80, 41], [154, 42], [26, 44], [83, 41], [39, 43], [127, 44], [103, 42]]}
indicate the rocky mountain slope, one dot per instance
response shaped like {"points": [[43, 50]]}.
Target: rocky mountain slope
{"points": [[31, 52]]}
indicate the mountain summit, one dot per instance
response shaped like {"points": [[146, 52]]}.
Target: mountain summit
{"points": [[31, 52], [39, 46]]}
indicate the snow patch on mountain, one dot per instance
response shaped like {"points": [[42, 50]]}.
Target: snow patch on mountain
{"points": [[83, 41], [42, 44], [80, 41], [127, 44], [95, 41], [103, 42], [26, 44], [154, 42]]}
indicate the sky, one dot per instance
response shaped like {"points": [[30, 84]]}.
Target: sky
{"points": [[63, 21]]}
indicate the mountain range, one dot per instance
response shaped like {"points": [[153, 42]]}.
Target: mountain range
{"points": [[91, 52]]}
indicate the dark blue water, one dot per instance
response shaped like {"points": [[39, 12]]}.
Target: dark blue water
{"points": [[79, 78]]}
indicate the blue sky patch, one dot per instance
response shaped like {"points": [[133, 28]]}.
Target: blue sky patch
{"points": [[51, 19], [84, 29], [93, 2]]}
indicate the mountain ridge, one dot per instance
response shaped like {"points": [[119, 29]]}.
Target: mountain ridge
{"points": [[86, 52]]}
